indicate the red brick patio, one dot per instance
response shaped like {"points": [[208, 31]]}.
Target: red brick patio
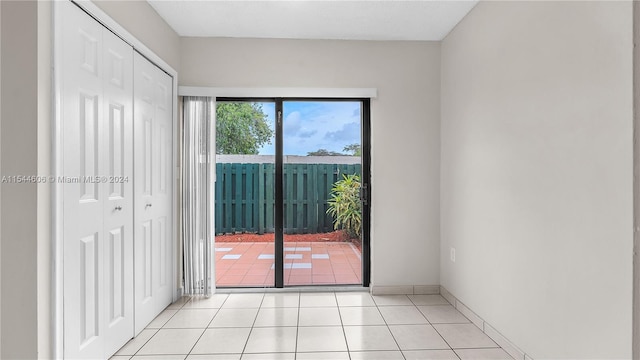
{"points": [[251, 264]]}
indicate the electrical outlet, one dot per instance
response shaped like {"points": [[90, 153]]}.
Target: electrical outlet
{"points": [[453, 254]]}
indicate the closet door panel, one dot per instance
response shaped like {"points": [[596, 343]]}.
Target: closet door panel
{"points": [[152, 121], [97, 194], [82, 107], [145, 258], [118, 189], [162, 184]]}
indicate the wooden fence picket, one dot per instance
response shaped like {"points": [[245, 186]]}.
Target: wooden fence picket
{"points": [[245, 196]]}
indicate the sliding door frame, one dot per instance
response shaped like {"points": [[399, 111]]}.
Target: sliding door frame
{"points": [[279, 194], [365, 138], [365, 178]]}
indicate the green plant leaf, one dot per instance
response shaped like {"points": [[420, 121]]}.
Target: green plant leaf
{"points": [[344, 205]]}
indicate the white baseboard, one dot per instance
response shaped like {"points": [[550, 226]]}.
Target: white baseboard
{"points": [[489, 330], [426, 289], [405, 290]]}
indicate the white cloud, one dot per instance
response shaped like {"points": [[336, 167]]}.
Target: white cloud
{"points": [[292, 124], [309, 126]]}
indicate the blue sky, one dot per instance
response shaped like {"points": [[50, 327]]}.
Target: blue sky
{"points": [[312, 125]]}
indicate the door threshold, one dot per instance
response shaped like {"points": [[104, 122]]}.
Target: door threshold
{"points": [[293, 289]]}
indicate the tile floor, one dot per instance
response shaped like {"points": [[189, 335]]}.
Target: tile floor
{"points": [[306, 326], [306, 263]]}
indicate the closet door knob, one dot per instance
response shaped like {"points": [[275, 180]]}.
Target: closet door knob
{"points": [[146, 206], [118, 208]]}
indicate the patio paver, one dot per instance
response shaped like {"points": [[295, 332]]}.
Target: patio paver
{"points": [[306, 263]]}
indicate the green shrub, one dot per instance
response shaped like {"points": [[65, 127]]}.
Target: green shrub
{"points": [[344, 205]]}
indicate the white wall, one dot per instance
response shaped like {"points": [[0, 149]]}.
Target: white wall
{"points": [[537, 173], [636, 184], [43, 213], [143, 22], [18, 209], [25, 210], [0, 182], [405, 127]]}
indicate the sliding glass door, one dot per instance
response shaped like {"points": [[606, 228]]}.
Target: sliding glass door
{"points": [[321, 197], [292, 192], [245, 194]]}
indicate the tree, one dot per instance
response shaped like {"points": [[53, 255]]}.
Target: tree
{"points": [[354, 149], [241, 128], [324, 152]]}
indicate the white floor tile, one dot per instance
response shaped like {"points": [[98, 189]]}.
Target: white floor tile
{"points": [[215, 357], [179, 303], [428, 300], [191, 319], [355, 299], [418, 337], [272, 340], [137, 342], [289, 265], [273, 356], [464, 336], [443, 314], [319, 316], [222, 340], [298, 266], [402, 315], [162, 319], [365, 338], [317, 299], [281, 300], [215, 301], [354, 315], [382, 300], [326, 355], [323, 338], [483, 354], [430, 355], [376, 355], [238, 301], [234, 318], [171, 341], [277, 317], [311, 326]]}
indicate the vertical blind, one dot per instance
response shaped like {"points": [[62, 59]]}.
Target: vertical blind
{"points": [[196, 226]]}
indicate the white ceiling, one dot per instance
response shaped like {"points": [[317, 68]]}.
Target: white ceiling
{"points": [[298, 19]]}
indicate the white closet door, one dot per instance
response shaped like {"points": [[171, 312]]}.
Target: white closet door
{"points": [[163, 184], [118, 209], [98, 259], [153, 179], [83, 202]]}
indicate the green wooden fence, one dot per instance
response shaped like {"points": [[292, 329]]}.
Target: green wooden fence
{"points": [[245, 198]]}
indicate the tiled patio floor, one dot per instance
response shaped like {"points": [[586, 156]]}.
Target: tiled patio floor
{"points": [[306, 263]]}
